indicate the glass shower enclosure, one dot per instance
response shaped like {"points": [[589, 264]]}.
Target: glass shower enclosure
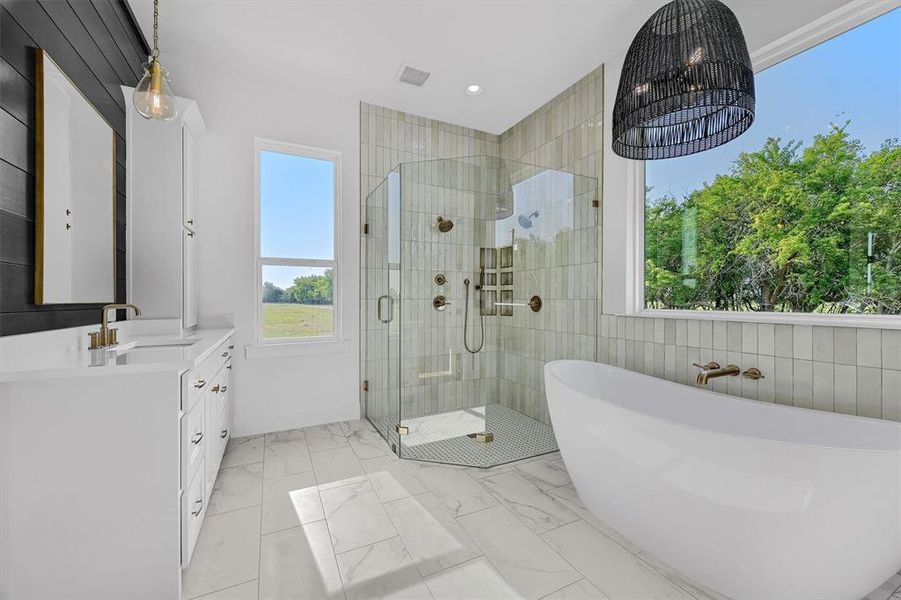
{"points": [[475, 271]]}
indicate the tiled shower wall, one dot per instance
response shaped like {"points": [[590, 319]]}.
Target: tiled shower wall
{"points": [[848, 370], [388, 138], [566, 133]]}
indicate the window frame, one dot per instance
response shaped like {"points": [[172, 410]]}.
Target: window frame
{"points": [[818, 31], [335, 263]]}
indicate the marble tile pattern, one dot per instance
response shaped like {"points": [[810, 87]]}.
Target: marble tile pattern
{"points": [[407, 529], [848, 370]]}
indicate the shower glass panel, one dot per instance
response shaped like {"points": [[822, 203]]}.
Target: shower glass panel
{"points": [[489, 269], [380, 343]]}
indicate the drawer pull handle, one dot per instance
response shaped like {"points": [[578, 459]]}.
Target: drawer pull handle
{"points": [[229, 367], [200, 383], [199, 505], [215, 388], [224, 433], [225, 355], [224, 388], [196, 438], [231, 347]]}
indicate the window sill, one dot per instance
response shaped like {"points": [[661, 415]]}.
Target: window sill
{"points": [[874, 321], [299, 348]]}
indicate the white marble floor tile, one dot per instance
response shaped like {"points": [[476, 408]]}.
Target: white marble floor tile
{"points": [[475, 580], [381, 570], [298, 564], [697, 590], [570, 497], [355, 516], [533, 506], [460, 492], [290, 501], [614, 570], [243, 451], [545, 473], [393, 478], [335, 465], [433, 538], [367, 444], [245, 591], [887, 590], [520, 556], [348, 427], [227, 552], [285, 458], [479, 473], [289, 435], [580, 590], [324, 437], [236, 487]]}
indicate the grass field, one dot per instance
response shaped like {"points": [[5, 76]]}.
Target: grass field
{"points": [[296, 320]]}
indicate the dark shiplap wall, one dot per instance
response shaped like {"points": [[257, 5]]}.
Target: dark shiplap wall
{"points": [[98, 45]]}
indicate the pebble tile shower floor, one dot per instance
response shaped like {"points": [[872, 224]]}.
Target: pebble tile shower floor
{"points": [[329, 512]]}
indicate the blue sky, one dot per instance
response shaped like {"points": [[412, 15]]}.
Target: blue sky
{"points": [[855, 76], [296, 197]]}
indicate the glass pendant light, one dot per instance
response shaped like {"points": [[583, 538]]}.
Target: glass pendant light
{"points": [[153, 97]]}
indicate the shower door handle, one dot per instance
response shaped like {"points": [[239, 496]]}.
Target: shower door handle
{"points": [[390, 309]]}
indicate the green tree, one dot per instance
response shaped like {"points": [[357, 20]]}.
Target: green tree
{"points": [[815, 229], [272, 293], [312, 289]]}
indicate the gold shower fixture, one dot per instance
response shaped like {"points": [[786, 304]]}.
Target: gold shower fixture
{"points": [[444, 225]]}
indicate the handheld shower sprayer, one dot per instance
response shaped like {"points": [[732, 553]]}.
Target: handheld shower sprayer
{"points": [[466, 314]]}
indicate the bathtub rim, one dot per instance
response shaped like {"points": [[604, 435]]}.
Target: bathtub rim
{"points": [[755, 404]]}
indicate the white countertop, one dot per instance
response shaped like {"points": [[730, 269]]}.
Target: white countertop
{"points": [[134, 354]]}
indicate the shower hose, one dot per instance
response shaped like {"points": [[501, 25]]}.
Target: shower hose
{"points": [[466, 321]]}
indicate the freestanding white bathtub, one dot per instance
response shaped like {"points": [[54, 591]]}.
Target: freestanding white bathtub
{"points": [[755, 500]]}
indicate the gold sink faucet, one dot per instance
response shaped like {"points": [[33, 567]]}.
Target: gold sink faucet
{"points": [[106, 336]]}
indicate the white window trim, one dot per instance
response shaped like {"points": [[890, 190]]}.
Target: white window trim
{"points": [[299, 345], [814, 33]]}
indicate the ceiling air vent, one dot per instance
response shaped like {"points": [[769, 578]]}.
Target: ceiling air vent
{"points": [[414, 76]]}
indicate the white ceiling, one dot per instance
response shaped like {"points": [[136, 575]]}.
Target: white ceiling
{"points": [[522, 53]]}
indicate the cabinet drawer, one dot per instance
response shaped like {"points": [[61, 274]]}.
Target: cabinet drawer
{"points": [[193, 509], [197, 381], [221, 355], [193, 440]]}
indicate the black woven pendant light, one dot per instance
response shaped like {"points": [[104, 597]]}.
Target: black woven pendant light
{"points": [[687, 84]]}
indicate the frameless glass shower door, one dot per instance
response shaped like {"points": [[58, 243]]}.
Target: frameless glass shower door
{"points": [[380, 316], [478, 271]]}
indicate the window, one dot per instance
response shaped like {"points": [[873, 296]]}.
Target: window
{"points": [[802, 213], [297, 263]]}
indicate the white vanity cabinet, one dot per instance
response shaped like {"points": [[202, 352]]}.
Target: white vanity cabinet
{"points": [[205, 432], [163, 229], [106, 468]]}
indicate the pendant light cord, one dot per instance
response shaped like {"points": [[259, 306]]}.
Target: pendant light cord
{"points": [[156, 28]]}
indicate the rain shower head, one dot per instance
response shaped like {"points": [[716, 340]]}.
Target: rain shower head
{"points": [[526, 222], [445, 225]]}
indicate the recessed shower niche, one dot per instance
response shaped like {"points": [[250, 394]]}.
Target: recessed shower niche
{"points": [[438, 380]]}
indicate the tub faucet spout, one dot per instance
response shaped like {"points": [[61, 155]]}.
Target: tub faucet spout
{"points": [[712, 370]]}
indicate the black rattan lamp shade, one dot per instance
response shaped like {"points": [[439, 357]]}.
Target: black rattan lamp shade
{"points": [[686, 85]]}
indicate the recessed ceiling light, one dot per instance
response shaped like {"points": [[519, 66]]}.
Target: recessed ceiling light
{"points": [[474, 89]]}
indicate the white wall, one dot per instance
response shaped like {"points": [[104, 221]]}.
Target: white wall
{"points": [[278, 392]]}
